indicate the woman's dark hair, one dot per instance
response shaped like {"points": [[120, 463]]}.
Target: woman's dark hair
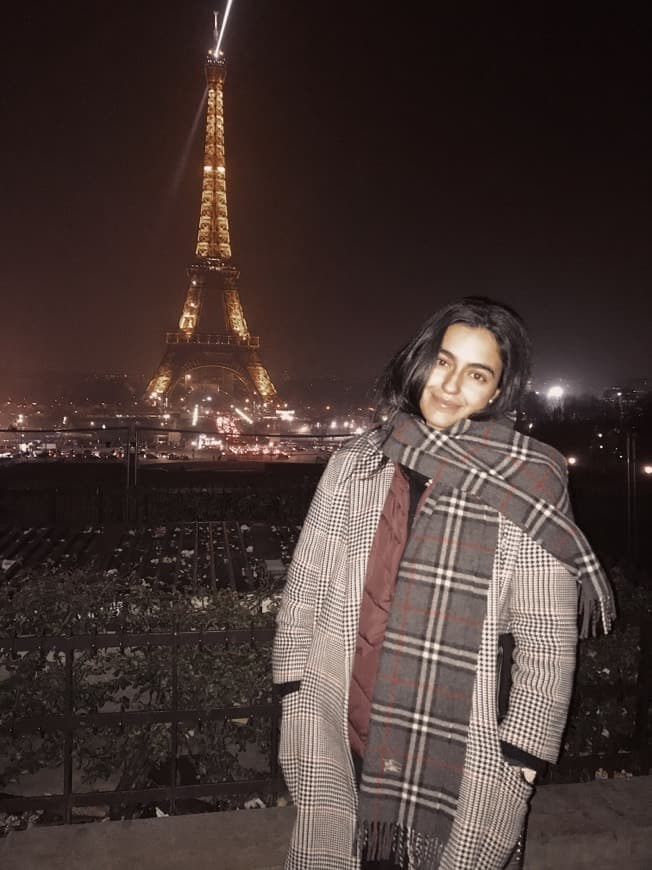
{"points": [[401, 384]]}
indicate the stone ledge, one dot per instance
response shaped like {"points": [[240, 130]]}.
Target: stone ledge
{"points": [[599, 825], [242, 840], [604, 825]]}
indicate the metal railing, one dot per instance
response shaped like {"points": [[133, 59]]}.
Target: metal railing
{"points": [[637, 690], [69, 721], [120, 497]]}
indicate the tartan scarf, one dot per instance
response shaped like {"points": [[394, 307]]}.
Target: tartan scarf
{"points": [[414, 760]]}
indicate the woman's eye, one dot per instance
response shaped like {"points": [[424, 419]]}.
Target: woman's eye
{"points": [[441, 361], [478, 376]]}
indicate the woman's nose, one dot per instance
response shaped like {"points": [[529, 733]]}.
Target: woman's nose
{"points": [[451, 383]]}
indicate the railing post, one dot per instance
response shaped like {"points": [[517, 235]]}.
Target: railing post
{"points": [[174, 734], [643, 695], [68, 732], [131, 451], [135, 442]]}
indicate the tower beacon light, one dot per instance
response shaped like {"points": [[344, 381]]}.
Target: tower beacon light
{"points": [[219, 33]]}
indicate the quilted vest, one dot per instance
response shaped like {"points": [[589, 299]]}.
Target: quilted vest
{"points": [[380, 582]]}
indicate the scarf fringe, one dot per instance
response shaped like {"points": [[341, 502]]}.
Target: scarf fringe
{"points": [[381, 841], [594, 610]]}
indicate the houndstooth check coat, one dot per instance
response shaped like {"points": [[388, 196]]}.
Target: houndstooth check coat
{"points": [[533, 596]]}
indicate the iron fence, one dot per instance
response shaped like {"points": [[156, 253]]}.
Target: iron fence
{"points": [[69, 721], [636, 690], [96, 474]]}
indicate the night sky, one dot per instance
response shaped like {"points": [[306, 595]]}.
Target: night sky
{"points": [[382, 160]]}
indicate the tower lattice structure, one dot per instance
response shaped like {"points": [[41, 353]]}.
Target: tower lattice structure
{"points": [[227, 357]]}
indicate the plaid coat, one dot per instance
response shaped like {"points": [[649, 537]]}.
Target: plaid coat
{"points": [[533, 596]]}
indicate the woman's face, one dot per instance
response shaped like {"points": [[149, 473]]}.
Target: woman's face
{"points": [[464, 378]]}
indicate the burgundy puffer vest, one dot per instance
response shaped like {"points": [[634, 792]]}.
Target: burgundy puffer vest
{"points": [[380, 582]]}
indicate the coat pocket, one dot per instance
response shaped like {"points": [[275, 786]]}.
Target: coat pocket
{"points": [[516, 782]]}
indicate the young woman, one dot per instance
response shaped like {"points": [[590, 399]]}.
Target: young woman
{"points": [[432, 538]]}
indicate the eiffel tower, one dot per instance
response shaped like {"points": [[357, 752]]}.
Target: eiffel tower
{"points": [[197, 354]]}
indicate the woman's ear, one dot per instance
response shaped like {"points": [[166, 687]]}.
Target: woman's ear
{"points": [[494, 397]]}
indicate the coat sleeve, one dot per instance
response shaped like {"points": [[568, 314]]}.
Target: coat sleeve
{"points": [[543, 621], [296, 616]]}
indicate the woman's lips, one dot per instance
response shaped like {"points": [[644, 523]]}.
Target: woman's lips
{"points": [[445, 404]]}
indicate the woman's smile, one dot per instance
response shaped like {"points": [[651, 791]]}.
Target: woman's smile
{"points": [[446, 404]]}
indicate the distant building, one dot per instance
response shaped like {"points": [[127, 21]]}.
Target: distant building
{"points": [[628, 394]]}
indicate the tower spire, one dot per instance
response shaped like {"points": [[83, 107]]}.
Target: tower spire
{"points": [[213, 232]]}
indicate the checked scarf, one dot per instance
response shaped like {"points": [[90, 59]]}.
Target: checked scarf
{"points": [[414, 759]]}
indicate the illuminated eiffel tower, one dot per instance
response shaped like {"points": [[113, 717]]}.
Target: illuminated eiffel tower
{"points": [[213, 346]]}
